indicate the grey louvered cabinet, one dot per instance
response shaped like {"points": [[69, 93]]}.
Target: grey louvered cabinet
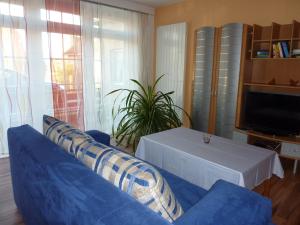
{"points": [[217, 79], [228, 79], [203, 78]]}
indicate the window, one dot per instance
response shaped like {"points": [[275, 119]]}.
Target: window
{"points": [[64, 43]]}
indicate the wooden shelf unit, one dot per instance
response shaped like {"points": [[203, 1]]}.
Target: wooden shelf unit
{"points": [[292, 140], [282, 74], [269, 75], [263, 38]]}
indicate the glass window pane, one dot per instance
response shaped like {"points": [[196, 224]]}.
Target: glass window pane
{"points": [[11, 9], [46, 45], [7, 42], [97, 50], [54, 16], [19, 43], [57, 69], [72, 46], [56, 45], [16, 10]]}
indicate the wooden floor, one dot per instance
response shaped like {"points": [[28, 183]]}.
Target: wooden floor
{"points": [[285, 194], [8, 212]]}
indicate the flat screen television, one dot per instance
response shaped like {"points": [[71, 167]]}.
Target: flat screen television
{"points": [[276, 114]]}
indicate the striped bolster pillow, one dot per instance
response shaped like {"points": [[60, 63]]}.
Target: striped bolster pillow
{"points": [[133, 176]]}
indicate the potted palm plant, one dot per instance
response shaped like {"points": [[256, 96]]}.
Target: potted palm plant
{"points": [[143, 111]]}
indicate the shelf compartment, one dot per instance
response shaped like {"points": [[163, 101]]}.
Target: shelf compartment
{"points": [[282, 32], [292, 140], [261, 46], [281, 41], [295, 44], [296, 30], [281, 71], [262, 33]]}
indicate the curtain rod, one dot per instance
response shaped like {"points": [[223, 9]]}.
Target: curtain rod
{"points": [[117, 7]]}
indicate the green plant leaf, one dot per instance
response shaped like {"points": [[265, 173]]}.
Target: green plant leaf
{"points": [[143, 111]]}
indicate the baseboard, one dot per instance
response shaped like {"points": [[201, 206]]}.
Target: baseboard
{"points": [[4, 156]]}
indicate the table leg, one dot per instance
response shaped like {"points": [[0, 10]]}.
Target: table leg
{"points": [[267, 187], [295, 166]]}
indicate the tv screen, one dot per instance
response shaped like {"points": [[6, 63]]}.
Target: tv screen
{"points": [[277, 114]]}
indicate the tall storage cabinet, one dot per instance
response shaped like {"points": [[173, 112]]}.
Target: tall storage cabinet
{"points": [[216, 79], [203, 77], [228, 79]]}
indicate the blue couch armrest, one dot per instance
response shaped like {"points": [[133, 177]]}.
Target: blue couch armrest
{"points": [[103, 138], [229, 204], [99, 136]]}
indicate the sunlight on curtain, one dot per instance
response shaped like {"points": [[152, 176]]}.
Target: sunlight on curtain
{"points": [[61, 58], [170, 59], [116, 48], [24, 93], [64, 43]]}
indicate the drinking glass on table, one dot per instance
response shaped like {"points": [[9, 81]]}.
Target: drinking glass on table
{"points": [[206, 138]]}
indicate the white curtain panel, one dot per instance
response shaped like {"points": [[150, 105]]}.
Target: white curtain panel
{"points": [[25, 94], [116, 47], [171, 58]]}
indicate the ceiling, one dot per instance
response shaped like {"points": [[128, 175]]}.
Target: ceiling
{"points": [[156, 3]]}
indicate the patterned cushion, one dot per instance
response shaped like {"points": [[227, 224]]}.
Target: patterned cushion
{"points": [[131, 175], [63, 134]]}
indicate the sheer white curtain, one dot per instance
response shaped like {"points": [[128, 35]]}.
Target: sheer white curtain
{"points": [[111, 46], [170, 59], [24, 93], [116, 47]]}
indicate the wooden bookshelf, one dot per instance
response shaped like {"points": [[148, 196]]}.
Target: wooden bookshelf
{"points": [[263, 38], [271, 72], [270, 75]]}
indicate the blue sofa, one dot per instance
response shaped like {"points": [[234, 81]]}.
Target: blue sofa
{"points": [[52, 187]]}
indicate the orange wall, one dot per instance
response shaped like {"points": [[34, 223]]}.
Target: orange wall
{"points": [[198, 13]]}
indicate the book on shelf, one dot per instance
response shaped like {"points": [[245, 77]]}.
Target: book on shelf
{"points": [[296, 53], [280, 50], [285, 49], [262, 54], [276, 53]]}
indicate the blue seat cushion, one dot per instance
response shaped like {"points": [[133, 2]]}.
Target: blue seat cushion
{"points": [[187, 194]]}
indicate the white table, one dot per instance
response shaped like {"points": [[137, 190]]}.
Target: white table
{"points": [[181, 151]]}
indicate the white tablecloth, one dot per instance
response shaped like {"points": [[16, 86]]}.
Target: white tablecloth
{"points": [[181, 151]]}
